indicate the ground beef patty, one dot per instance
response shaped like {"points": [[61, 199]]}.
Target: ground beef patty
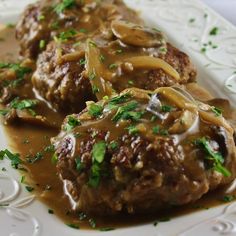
{"points": [[60, 81], [108, 64], [45, 19], [140, 152]]}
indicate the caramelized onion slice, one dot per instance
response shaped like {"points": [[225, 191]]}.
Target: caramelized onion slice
{"points": [[183, 123], [99, 76], [217, 120], [137, 35], [148, 62], [177, 98]]}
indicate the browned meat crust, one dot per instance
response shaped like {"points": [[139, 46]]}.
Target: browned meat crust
{"points": [[141, 174]]}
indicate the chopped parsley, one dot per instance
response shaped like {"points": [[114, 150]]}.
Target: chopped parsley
{"points": [[106, 229], [217, 111], [22, 179], [42, 44], [98, 152], [101, 58], [215, 157], [191, 20], [23, 104], [73, 226], [50, 211], [228, 198], [19, 70], [79, 165], [72, 122], [132, 129], [13, 157], [214, 31], [127, 112], [95, 89], [166, 108], [54, 158], [98, 155], [113, 145], [82, 61], [65, 35], [158, 131], [113, 66], [37, 157], [65, 4], [119, 99], [95, 110], [49, 148], [29, 188]]}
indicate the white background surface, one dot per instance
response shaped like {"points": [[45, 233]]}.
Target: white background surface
{"points": [[226, 8]]}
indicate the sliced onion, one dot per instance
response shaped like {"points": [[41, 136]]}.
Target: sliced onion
{"points": [[177, 98], [101, 75], [148, 62], [218, 121], [74, 56]]}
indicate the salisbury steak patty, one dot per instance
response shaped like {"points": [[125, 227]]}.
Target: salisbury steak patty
{"points": [[44, 19], [61, 80], [73, 67], [139, 152]]}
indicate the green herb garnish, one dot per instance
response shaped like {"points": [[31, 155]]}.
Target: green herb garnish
{"points": [[71, 123], [65, 4], [69, 34], [113, 66], [29, 188], [217, 111], [50, 211], [132, 129], [38, 156], [214, 31], [74, 226], [120, 99], [20, 72], [213, 156], [127, 112], [113, 145], [98, 152], [13, 157], [79, 165], [98, 155], [228, 198], [23, 104], [95, 110], [42, 44], [166, 108]]}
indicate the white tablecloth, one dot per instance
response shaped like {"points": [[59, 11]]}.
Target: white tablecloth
{"points": [[227, 8]]}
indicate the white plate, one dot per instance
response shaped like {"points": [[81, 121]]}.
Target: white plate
{"points": [[25, 216]]}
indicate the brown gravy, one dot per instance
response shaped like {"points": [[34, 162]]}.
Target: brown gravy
{"points": [[42, 176]]}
